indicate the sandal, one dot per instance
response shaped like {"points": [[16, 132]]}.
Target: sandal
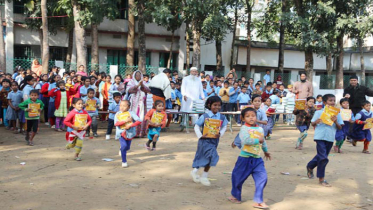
{"points": [[310, 173], [353, 143], [147, 147], [325, 183], [234, 200], [366, 152], [31, 143], [78, 159], [261, 206]]}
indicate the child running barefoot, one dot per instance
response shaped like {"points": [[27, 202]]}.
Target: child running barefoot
{"points": [[324, 138], [341, 135], [261, 117], [358, 134], [74, 134], [155, 126], [270, 117], [126, 128], [303, 120], [206, 154], [32, 121], [249, 162]]}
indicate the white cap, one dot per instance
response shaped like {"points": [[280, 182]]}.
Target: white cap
{"points": [[194, 68]]}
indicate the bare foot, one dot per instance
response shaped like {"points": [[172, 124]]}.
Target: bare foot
{"points": [[261, 206], [234, 200]]}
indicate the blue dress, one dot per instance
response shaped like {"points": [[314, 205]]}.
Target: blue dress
{"points": [[206, 154], [358, 133], [341, 135]]}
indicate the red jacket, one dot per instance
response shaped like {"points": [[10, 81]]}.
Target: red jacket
{"points": [[265, 96], [44, 89], [70, 118], [55, 92]]}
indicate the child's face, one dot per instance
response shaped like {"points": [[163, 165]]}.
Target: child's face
{"points": [[257, 87], [159, 107], [6, 84], [34, 96], [117, 80], [58, 78], [123, 107], [268, 102], [75, 80], [310, 103], [108, 79], [243, 90], [69, 81], [274, 86], [282, 88], [256, 102], [215, 107], [367, 107], [219, 83], [81, 68], [79, 78], [290, 89], [225, 85], [31, 82], [172, 85], [62, 86], [87, 82], [117, 99], [146, 79], [235, 85], [204, 85], [211, 84], [93, 80], [72, 74], [330, 101], [240, 83], [78, 105], [345, 105], [14, 87], [177, 86], [250, 118], [45, 78], [91, 94], [319, 99], [268, 88]]}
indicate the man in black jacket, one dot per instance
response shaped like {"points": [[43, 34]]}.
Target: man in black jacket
{"points": [[356, 94]]}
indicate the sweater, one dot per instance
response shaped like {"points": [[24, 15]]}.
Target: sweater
{"points": [[24, 106]]}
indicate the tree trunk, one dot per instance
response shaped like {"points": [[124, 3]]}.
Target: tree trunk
{"points": [[94, 48], [218, 55], [2, 45], [339, 73], [45, 58], [329, 64], [41, 41], [308, 64], [196, 48], [81, 46], [130, 57], [142, 37], [248, 54], [362, 61], [170, 56], [187, 37], [234, 34], [69, 49], [282, 38]]}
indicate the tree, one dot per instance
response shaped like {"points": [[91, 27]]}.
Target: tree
{"points": [[80, 35], [130, 57], [141, 5], [249, 8], [45, 57]]}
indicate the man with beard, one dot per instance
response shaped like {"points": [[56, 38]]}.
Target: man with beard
{"points": [[303, 89], [356, 94]]}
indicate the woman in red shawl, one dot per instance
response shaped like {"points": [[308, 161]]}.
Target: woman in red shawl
{"points": [[279, 81]]}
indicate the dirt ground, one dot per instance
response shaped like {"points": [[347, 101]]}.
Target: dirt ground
{"points": [[51, 179]]}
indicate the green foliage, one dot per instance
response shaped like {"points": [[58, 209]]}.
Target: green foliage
{"points": [[167, 13]]}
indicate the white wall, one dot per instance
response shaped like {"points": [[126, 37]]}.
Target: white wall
{"points": [[154, 59], [31, 37]]}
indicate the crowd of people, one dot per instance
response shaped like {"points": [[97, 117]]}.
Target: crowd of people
{"points": [[63, 102]]}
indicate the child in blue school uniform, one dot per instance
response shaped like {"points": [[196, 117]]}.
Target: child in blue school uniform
{"points": [[206, 154], [243, 99], [358, 132], [113, 109], [92, 113], [341, 135], [251, 141], [14, 113], [303, 121], [261, 116], [324, 138], [270, 119], [178, 99]]}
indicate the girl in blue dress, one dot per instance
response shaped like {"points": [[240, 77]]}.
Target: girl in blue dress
{"points": [[261, 116], [206, 154], [358, 133], [341, 135], [270, 122]]}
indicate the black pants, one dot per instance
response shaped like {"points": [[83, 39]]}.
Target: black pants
{"points": [[34, 124], [233, 108], [110, 126]]}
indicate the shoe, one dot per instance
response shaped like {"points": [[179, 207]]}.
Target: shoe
{"points": [[47, 123], [107, 137], [95, 135], [335, 148], [120, 153], [239, 125], [87, 135], [124, 165], [53, 126], [195, 177], [205, 181]]}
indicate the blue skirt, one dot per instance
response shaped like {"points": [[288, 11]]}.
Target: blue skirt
{"points": [[51, 109], [206, 154], [11, 114], [341, 135], [360, 134], [152, 132], [303, 128], [268, 128]]}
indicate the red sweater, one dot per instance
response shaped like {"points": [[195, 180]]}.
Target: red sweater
{"points": [[149, 115], [70, 118], [55, 92], [44, 89]]}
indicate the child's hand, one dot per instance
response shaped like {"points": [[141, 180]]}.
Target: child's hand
{"points": [[39, 110], [334, 118], [318, 121], [127, 127], [351, 121], [204, 136], [261, 139], [217, 135], [233, 145], [129, 119], [28, 110], [85, 127], [365, 122], [268, 156]]}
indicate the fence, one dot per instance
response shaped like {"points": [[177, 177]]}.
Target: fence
{"points": [[328, 82]]}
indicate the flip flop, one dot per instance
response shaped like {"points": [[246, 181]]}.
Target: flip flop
{"points": [[366, 152], [260, 206], [78, 159], [310, 173], [148, 148], [325, 184], [234, 200], [31, 143]]}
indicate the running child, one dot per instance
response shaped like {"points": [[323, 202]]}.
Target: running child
{"points": [[303, 121], [4, 101], [128, 132], [92, 111], [358, 134], [341, 135], [155, 128], [74, 134], [206, 154], [261, 116], [14, 113], [270, 119], [324, 138], [249, 161], [32, 121], [113, 109]]}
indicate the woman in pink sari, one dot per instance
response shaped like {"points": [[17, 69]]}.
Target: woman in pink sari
{"points": [[137, 91], [36, 67]]}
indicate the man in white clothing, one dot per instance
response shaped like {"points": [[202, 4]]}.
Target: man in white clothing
{"points": [[192, 90]]}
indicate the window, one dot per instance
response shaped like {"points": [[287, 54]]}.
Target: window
{"points": [[123, 9], [163, 60], [19, 6], [23, 51]]}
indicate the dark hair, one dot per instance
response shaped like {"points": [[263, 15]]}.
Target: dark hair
{"points": [[152, 73], [282, 85], [267, 70], [365, 103], [343, 100], [90, 90], [202, 77], [243, 87], [251, 78], [204, 82], [120, 76], [75, 100], [108, 76], [85, 78], [60, 82], [246, 82], [226, 82], [267, 99], [24, 82], [255, 96], [211, 100], [257, 84], [203, 72], [259, 81], [5, 80], [177, 83], [34, 91], [269, 84], [167, 71], [275, 92], [51, 79], [327, 96], [72, 71], [302, 72], [92, 77], [248, 109], [116, 94], [14, 82], [310, 98], [145, 75], [172, 82], [157, 102], [318, 96]]}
